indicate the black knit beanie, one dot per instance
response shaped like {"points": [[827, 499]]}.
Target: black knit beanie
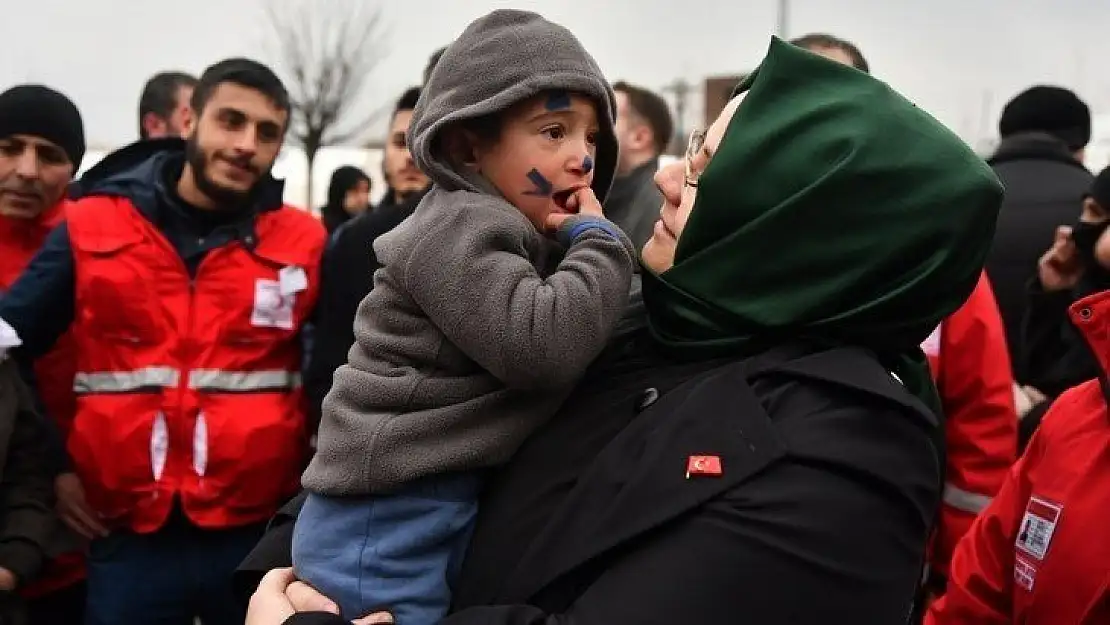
{"points": [[1053, 110], [42, 112]]}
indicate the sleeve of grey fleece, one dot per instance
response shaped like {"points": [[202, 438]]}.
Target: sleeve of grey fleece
{"points": [[529, 331]]}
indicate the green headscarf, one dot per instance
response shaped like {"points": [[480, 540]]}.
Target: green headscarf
{"points": [[834, 210]]}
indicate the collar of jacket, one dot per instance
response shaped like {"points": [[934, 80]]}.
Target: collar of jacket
{"points": [[1033, 146], [141, 172]]}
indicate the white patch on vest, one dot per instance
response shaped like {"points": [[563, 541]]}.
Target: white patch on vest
{"points": [[8, 339], [200, 445], [272, 308], [931, 345], [1037, 527], [1024, 574], [159, 446], [293, 279]]}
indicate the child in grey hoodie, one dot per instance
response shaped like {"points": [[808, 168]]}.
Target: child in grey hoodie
{"points": [[479, 323]]}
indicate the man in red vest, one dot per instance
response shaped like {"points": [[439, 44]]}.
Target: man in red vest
{"points": [[971, 366], [187, 283], [42, 142]]}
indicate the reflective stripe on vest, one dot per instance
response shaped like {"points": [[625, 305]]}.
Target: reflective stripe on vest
{"points": [[160, 446], [218, 380], [966, 501], [147, 378], [243, 381]]}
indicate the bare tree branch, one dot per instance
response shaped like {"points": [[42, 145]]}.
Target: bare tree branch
{"points": [[327, 51]]}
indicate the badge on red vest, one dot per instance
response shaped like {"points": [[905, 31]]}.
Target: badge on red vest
{"points": [[274, 300], [1037, 527]]}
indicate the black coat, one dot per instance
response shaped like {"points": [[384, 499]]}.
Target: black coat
{"points": [[346, 278], [1044, 186], [831, 477], [1055, 355]]}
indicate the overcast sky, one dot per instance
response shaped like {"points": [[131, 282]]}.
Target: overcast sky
{"points": [[959, 59]]}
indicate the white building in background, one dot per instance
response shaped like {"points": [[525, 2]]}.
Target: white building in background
{"points": [[1098, 151], [293, 168]]}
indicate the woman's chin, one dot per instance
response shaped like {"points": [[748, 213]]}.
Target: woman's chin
{"points": [[657, 255]]}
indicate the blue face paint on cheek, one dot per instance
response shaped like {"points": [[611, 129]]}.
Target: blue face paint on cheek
{"points": [[542, 187], [588, 164], [557, 101]]}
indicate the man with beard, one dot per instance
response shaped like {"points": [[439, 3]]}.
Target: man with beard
{"points": [[42, 142], [187, 282], [348, 273]]}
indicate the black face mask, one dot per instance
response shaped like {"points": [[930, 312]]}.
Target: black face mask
{"points": [[1086, 236]]}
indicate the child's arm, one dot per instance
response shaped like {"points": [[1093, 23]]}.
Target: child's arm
{"points": [[477, 286]]}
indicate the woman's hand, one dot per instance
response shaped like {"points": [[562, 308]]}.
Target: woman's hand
{"points": [[280, 596]]}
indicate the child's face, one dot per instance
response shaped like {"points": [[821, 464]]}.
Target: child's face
{"points": [[545, 151]]}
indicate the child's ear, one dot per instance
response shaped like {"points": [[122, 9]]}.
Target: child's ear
{"points": [[462, 146]]}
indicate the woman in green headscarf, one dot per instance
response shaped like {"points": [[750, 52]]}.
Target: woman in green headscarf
{"points": [[765, 450]]}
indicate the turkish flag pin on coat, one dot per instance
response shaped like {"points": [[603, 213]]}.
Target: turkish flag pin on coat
{"points": [[703, 465]]}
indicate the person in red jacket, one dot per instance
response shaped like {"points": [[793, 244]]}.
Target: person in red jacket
{"points": [[1038, 554], [42, 142], [971, 367], [187, 282]]}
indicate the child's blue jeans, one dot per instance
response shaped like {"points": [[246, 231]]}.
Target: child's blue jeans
{"points": [[399, 553]]}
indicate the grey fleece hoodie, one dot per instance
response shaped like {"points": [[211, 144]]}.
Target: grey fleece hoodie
{"points": [[478, 326]]}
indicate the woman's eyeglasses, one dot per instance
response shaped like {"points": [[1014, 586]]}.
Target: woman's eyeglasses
{"points": [[693, 147]]}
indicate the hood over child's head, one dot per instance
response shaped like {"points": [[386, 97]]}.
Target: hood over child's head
{"points": [[525, 91]]}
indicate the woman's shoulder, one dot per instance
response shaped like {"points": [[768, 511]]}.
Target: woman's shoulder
{"points": [[843, 409], [840, 407], [854, 377]]}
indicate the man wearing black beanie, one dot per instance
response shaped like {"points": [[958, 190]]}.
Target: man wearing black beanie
{"points": [[45, 127], [42, 142], [1044, 131]]}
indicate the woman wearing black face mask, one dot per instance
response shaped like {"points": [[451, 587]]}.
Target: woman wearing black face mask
{"points": [[1054, 354]]}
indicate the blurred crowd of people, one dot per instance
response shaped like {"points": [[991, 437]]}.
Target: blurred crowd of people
{"points": [[170, 331]]}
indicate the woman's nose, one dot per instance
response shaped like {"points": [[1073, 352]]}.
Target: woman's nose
{"points": [[669, 181]]}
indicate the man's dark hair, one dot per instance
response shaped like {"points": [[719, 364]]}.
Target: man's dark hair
{"points": [[432, 62], [407, 101], [242, 72], [817, 41], [160, 95], [653, 109]]}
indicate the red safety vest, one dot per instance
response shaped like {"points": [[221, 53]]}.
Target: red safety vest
{"points": [[189, 388], [971, 367], [1039, 554], [20, 240]]}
